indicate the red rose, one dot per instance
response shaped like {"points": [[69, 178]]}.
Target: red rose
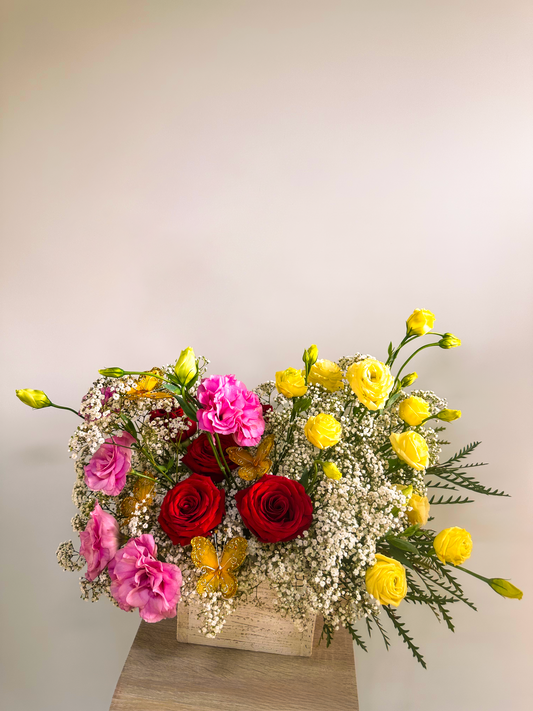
{"points": [[275, 508], [181, 435], [194, 507], [201, 460]]}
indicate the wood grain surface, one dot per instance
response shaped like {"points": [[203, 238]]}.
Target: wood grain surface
{"points": [[161, 674], [258, 629]]}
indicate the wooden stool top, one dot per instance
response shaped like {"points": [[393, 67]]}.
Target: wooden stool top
{"points": [[161, 674]]}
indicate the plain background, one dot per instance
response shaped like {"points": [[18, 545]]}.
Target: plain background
{"points": [[249, 178]]}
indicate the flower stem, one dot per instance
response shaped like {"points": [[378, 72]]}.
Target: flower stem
{"points": [[60, 407], [220, 465], [223, 459], [428, 345], [480, 577]]}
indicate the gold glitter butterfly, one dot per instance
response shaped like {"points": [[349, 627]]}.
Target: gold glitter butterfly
{"points": [[145, 387], [252, 466], [217, 572], [143, 491]]}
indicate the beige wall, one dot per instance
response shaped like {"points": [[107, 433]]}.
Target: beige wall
{"points": [[248, 178]]}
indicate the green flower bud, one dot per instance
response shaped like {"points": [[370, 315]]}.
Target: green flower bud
{"points": [[33, 398], [112, 372], [505, 588], [310, 356], [449, 341], [408, 380], [331, 471], [448, 415], [186, 367]]}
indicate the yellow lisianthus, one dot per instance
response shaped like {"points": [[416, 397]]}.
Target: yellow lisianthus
{"points": [[328, 374], [420, 322], [448, 415], [371, 381], [453, 545], [413, 410], [291, 382], [331, 471], [411, 448], [505, 588], [186, 368], [449, 341], [386, 581], [323, 431], [33, 398], [419, 510]]}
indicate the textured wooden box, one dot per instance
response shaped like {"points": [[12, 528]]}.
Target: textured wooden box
{"points": [[257, 629]]}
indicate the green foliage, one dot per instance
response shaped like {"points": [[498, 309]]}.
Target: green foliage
{"points": [[453, 473], [404, 634], [451, 500]]}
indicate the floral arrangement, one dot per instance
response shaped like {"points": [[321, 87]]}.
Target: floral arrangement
{"points": [[190, 487]]}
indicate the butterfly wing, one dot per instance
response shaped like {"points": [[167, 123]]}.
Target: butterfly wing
{"points": [[234, 554], [239, 456], [228, 583], [203, 554], [209, 582], [264, 449]]}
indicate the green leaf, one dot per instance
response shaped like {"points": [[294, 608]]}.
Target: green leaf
{"points": [[392, 400], [187, 409], [412, 529], [389, 349], [402, 544], [301, 404]]}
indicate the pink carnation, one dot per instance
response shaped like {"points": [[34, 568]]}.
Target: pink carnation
{"points": [[109, 465], [99, 541], [229, 408], [139, 580]]}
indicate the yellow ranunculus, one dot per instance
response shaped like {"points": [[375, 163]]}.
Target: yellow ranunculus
{"points": [[291, 382], [33, 398], [327, 374], [414, 410], [331, 470], [386, 581], [371, 381], [411, 448], [419, 510], [186, 368], [453, 545], [323, 431], [420, 322]]}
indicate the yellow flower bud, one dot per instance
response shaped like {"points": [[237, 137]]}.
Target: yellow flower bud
{"points": [[453, 545], [413, 410], [408, 380], [505, 588], [327, 374], [371, 381], [386, 581], [323, 431], [310, 355], [411, 448], [112, 372], [331, 471], [33, 398], [420, 322], [419, 510], [448, 415], [291, 382], [449, 341], [186, 367]]}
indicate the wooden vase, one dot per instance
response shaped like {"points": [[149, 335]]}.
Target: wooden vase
{"points": [[250, 627]]}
